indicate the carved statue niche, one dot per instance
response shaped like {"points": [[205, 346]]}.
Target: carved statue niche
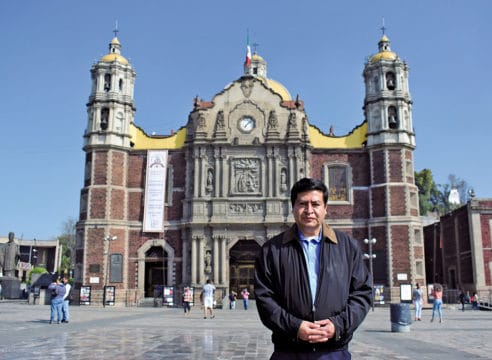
{"points": [[283, 180], [219, 122], [272, 120], [210, 180], [208, 261], [292, 120]]}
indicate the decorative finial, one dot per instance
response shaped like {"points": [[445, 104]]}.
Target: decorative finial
{"points": [[116, 31], [255, 46], [383, 28]]}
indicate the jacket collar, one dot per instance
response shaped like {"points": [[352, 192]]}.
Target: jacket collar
{"points": [[328, 234]]}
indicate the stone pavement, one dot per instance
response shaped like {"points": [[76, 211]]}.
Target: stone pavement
{"points": [[165, 333]]}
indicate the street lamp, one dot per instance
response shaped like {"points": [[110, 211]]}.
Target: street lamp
{"points": [[371, 256], [107, 239]]}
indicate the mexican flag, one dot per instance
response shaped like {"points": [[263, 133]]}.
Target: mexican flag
{"points": [[247, 62]]}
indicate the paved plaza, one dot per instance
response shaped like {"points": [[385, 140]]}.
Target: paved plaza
{"points": [[166, 333]]}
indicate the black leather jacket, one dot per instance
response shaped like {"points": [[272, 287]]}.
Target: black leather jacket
{"points": [[283, 295]]}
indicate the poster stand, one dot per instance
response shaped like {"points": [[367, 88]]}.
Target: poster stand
{"points": [[85, 295], [109, 295]]}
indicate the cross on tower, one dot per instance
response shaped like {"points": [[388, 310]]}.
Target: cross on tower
{"points": [[116, 31], [383, 28], [255, 45]]}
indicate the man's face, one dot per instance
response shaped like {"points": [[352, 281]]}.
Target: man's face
{"points": [[309, 212]]}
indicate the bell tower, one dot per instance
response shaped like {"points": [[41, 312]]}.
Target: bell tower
{"points": [[111, 107], [393, 197], [387, 104]]}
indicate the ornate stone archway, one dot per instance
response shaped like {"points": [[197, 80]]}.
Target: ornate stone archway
{"points": [[141, 262]]}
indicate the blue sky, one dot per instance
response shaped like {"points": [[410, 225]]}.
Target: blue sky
{"points": [[180, 49]]}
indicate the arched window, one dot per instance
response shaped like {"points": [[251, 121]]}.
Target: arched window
{"points": [[393, 118], [104, 118], [390, 80], [107, 82], [120, 85]]}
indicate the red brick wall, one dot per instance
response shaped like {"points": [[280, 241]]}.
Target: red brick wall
{"points": [[378, 199], [400, 250], [136, 170], [118, 168], [378, 167], [395, 166], [97, 206], [117, 210], [135, 206], [95, 254], [100, 167], [397, 201], [485, 220]]}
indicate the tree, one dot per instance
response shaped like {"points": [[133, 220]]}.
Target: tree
{"points": [[428, 191], [435, 197], [67, 242]]}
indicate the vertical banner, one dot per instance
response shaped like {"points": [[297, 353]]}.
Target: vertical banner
{"points": [[155, 187]]}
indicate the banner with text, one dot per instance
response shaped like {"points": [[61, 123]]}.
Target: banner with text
{"points": [[155, 187]]}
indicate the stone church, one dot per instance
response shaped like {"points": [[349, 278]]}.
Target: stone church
{"points": [[176, 210]]}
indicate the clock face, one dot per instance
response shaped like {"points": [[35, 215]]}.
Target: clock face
{"points": [[247, 124]]}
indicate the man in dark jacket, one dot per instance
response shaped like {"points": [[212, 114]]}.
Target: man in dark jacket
{"points": [[312, 287]]}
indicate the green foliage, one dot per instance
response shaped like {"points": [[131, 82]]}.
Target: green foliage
{"points": [[435, 197], [67, 244], [36, 270]]}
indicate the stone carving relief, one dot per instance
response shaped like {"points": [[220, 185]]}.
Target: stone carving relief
{"points": [[201, 122], [246, 175], [210, 180], [247, 87], [283, 180], [245, 208]]}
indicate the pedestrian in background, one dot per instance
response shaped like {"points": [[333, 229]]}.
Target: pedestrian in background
{"points": [[462, 298], [437, 306], [57, 293], [208, 299], [245, 295], [232, 300], [417, 302], [66, 300], [187, 300]]}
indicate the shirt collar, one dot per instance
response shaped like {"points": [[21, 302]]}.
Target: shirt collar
{"points": [[328, 234]]}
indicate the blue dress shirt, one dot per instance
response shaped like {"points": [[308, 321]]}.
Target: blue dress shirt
{"points": [[312, 249]]}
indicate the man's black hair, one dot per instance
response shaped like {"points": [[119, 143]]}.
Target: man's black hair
{"points": [[308, 184]]}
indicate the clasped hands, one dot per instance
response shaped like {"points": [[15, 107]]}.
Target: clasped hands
{"points": [[316, 332]]}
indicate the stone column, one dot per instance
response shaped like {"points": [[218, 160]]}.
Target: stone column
{"points": [[223, 261], [201, 259], [215, 264], [193, 260]]}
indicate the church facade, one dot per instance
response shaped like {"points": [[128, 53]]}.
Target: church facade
{"points": [[198, 204]]}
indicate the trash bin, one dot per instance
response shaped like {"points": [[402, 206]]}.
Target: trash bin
{"points": [[401, 317]]}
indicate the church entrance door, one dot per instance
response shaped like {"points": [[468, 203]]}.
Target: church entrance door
{"points": [[241, 266], [155, 270]]}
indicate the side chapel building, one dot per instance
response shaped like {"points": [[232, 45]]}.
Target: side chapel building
{"points": [[177, 210]]}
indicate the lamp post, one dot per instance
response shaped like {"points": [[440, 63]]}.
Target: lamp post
{"points": [[107, 239], [371, 256]]}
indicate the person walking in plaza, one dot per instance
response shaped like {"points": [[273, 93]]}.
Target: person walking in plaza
{"points": [[437, 306], [462, 298], [245, 294], [187, 300], [312, 287], [474, 301], [208, 299], [417, 302], [232, 300], [57, 292], [66, 300]]}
